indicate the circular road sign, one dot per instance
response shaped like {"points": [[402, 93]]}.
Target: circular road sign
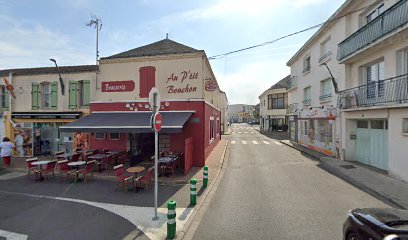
{"points": [[157, 122]]}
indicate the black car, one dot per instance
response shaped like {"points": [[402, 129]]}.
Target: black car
{"points": [[376, 224]]}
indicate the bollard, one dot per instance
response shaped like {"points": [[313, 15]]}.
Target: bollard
{"points": [[193, 191], [171, 220], [205, 176]]}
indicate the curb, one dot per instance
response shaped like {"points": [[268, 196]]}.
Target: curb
{"points": [[189, 229], [382, 197]]}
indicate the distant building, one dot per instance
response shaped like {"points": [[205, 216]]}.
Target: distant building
{"points": [[241, 113], [273, 105]]}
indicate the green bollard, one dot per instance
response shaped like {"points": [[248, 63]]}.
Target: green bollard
{"points": [[171, 220], [193, 191], [205, 176]]}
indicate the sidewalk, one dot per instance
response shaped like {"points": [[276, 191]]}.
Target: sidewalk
{"points": [[371, 180]]}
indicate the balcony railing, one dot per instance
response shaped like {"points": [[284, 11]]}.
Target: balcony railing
{"points": [[292, 108], [292, 83], [307, 102], [393, 18], [383, 92], [325, 97]]}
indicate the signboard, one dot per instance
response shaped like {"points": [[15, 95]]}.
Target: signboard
{"points": [[27, 115], [157, 122], [118, 86], [211, 85]]}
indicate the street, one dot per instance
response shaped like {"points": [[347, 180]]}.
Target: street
{"points": [[271, 191]]}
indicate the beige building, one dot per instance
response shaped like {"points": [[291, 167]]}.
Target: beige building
{"points": [[374, 102], [224, 111], [273, 105], [39, 107]]}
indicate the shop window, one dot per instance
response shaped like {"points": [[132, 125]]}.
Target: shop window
{"points": [[362, 124], [83, 93], [212, 129], [114, 136], [99, 136], [4, 97], [147, 77], [324, 131], [405, 125]]}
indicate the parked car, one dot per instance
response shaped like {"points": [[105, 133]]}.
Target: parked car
{"points": [[376, 224]]}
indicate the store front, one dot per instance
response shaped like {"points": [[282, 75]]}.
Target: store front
{"points": [[316, 129], [293, 126], [38, 134]]}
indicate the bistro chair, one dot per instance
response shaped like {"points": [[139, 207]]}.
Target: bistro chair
{"points": [[170, 167], [88, 155], [122, 158], [50, 168], [64, 169], [146, 179], [75, 157], [88, 170], [121, 178], [30, 167]]}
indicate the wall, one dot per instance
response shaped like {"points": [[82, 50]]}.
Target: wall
{"points": [[22, 87], [398, 150], [171, 73], [120, 144], [210, 111]]}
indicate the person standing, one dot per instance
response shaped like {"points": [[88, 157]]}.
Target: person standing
{"points": [[6, 147], [19, 141]]}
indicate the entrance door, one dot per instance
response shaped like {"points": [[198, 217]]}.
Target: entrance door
{"points": [[372, 143]]}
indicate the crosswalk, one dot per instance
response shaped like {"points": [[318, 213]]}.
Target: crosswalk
{"points": [[255, 142], [243, 132]]}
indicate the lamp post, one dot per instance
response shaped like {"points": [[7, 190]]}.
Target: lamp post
{"points": [[59, 74]]}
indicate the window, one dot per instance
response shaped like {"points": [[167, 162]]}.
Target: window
{"points": [[324, 131], [4, 101], [379, 124], [405, 125], [278, 101], [325, 90], [374, 77], [270, 101], [46, 95], [264, 102], [405, 62], [375, 13], [99, 136], [114, 136], [212, 129], [362, 124], [306, 64], [83, 96], [324, 49], [307, 95], [216, 126], [147, 77]]}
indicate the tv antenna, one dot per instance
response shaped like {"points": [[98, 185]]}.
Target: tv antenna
{"points": [[96, 23]]}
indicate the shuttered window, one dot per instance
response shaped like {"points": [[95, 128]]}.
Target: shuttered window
{"points": [[34, 96], [73, 94], [147, 80], [4, 97], [86, 92], [54, 95]]}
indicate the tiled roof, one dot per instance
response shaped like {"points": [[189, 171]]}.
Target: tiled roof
{"points": [[163, 47], [284, 83], [48, 70]]}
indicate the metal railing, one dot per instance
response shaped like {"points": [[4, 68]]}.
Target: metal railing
{"points": [[325, 97], [391, 19], [375, 93], [307, 101]]}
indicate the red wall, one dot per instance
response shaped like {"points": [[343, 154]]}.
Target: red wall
{"points": [[197, 127], [108, 143]]}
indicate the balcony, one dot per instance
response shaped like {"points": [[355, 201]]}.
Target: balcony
{"points": [[382, 93], [292, 108], [292, 83], [390, 20], [325, 98]]}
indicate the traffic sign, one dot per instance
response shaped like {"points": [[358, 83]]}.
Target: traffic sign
{"points": [[157, 122], [154, 99]]}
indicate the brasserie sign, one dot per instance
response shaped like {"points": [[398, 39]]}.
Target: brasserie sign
{"points": [[118, 86]]}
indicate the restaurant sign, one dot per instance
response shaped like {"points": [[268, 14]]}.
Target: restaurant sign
{"points": [[210, 85], [118, 86]]}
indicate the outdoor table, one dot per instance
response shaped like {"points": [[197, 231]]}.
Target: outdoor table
{"points": [[135, 170], [76, 165], [40, 164], [164, 161]]}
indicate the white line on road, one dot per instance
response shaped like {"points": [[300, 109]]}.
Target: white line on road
{"points": [[233, 132], [245, 132], [232, 142], [239, 132], [244, 142], [13, 235], [277, 143], [252, 132], [255, 142], [266, 142]]}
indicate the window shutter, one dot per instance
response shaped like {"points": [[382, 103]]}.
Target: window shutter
{"points": [[147, 80], [6, 98], [73, 94], [86, 91], [151, 78], [54, 95], [34, 96]]}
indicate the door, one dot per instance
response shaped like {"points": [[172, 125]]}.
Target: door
{"points": [[372, 143]]}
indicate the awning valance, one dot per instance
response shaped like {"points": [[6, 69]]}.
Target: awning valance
{"points": [[128, 122]]}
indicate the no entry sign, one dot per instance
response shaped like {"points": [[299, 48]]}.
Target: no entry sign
{"points": [[157, 122]]}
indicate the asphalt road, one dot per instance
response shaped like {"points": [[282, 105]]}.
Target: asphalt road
{"points": [[271, 191]]}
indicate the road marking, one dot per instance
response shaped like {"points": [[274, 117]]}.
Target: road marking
{"points": [[232, 142], [266, 142], [252, 132], [233, 132], [239, 132], [278, 143], [244, 142], [246, 132], [255, 142], [13, 235]]}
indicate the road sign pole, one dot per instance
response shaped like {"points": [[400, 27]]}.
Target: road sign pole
{"points": [[156, 149]]}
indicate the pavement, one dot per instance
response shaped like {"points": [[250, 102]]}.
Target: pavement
{"points": [[271, 191], [57, 209], [374, 181]]}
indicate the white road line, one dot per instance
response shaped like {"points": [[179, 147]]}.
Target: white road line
{"points": [[239, 132], [255, 142], [246, 132], [266, 142], [244, 142], [232, 142], [233, 132], [13, 235], [277, 143], [252, 132]]}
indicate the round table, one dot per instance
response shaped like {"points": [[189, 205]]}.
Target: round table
{"points": [[135, 170], [40, 164], [76, 165]]}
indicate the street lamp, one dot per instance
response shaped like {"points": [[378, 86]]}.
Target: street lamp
{"points": [[60, 78]]}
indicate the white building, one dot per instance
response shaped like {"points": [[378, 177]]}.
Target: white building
{"points": [[240, 113], [273, 105], [374, 102], [224, 111]]}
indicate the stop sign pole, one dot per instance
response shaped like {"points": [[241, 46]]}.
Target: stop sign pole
{"points": [[154, 100]]}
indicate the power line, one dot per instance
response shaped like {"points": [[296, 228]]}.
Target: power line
{"points": [[288, 35]]}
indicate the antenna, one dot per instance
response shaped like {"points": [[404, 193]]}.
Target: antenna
{"points": [[96, 23]]}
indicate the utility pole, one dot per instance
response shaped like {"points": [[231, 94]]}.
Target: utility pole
{"points": [[97, 24]]}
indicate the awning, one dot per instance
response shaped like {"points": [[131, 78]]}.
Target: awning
{"points": [[128, 122]]}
